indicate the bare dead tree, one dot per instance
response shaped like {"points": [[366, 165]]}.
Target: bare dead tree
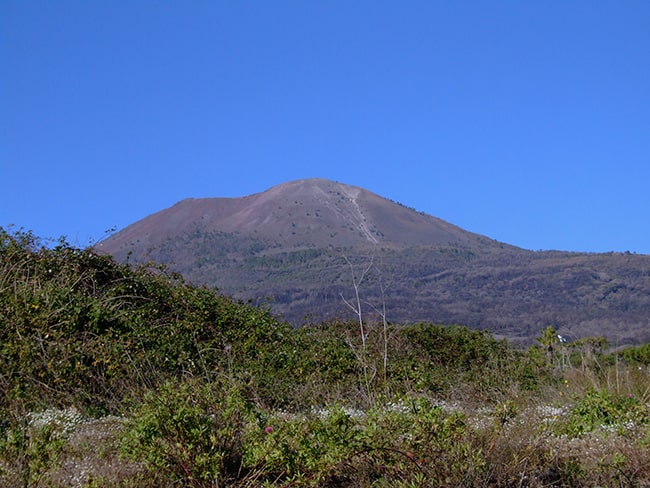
{"points": [[359, 305], [356, 307], [381, 312]]}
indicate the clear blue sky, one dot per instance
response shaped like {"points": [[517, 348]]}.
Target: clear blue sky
{"points": [[525, 121]]}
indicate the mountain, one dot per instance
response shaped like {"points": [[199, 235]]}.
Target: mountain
{"points": [[301, 246], [304, 213]]}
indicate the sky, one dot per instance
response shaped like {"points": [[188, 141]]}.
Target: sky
{"points": [[527, 122]]}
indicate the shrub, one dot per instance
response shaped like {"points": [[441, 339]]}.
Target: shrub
{"points": [[304, 450], [414, 442], [605, 409], [79, 328], [189, 432]]}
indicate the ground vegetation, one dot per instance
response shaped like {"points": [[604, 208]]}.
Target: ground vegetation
{"points": [[115, 375]]}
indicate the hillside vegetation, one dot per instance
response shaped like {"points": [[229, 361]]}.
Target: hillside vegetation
{"points": [[112, 375]]}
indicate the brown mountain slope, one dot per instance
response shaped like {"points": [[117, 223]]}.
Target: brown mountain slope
{"points": [[304, 213], [296, 247]]}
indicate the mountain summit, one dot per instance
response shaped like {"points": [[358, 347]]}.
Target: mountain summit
{"points": [[300, 246], [303, 213]]}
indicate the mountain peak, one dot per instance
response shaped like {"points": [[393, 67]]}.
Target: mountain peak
{"points": [[312, 212]]}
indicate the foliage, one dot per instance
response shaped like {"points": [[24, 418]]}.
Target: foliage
{"points": [[210, 391], [78, 328], [436, 357], [608, 410], [337, 446], [637, 355], [302, 449], [189, 432]]}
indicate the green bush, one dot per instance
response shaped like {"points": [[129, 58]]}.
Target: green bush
{"points": [[605, 410], [411, 441], [639, 355], [79, 328], [438, 358], [305, 450], [189, 432]]}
